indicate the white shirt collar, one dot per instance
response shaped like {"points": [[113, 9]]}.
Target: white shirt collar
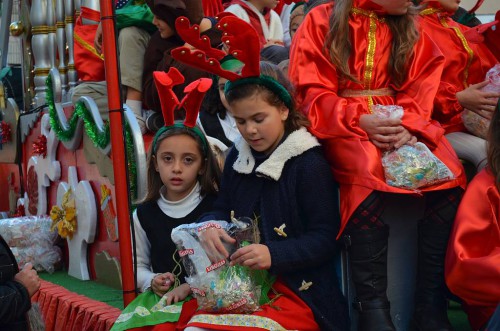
{"points": [[180, 208]]}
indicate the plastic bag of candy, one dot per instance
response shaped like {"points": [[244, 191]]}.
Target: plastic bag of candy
{"points": [[31, 240], [475, 123], [410, 167], [217, 286]]}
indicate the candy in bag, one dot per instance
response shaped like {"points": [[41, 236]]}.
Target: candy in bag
{"points": [[473, 122], [31, 240], [217, 286], [410, 167]]}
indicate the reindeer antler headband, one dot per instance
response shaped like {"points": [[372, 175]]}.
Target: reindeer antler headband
{"points": [[242, 42], [169, 103]]}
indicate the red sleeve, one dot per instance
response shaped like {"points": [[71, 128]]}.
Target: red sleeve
{"points": [[473, 257], [416, 95], [315, 78]]}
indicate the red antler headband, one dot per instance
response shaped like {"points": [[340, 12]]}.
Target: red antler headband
{"points": [[169, 103], [242, 42]]}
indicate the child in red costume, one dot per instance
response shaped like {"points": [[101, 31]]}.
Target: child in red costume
{"points": [[473, 257], [367, 53], [466, 64]]}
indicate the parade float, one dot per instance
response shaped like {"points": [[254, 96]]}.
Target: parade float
{"points": [[64, 166]]}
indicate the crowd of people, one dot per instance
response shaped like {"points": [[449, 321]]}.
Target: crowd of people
{"points": [[291, 104]]}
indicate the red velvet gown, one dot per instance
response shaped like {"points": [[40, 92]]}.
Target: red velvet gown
{"points": [[355, 161], [472, 268], [466, 63]]}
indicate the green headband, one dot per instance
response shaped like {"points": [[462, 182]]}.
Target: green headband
{"points": [[231, 64], [194, 129], [297, 5], [266, 81]]}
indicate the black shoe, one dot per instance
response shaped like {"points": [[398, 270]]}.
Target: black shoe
{"points": [[368, 257], [374, 315], [431, 306], [432, 318]]}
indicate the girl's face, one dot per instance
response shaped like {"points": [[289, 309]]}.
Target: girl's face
{"points": [[179, 162], [165, 30], [450, 5], [222, 83], [394, 7], [261, 124], [295, 23]]}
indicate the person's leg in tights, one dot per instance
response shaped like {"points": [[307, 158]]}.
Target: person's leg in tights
{"points": [[368, 256], [434, 230]]}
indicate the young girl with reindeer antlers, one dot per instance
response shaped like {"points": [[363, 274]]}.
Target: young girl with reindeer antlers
{"points": [[182, 182], [268, 175]]}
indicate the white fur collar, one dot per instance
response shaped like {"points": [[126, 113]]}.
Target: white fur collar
{"points": [[295, 144]]}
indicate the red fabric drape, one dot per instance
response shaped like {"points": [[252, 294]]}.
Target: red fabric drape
{"points": [[65, 310]]}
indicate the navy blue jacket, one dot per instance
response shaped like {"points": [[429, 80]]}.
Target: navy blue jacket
{"points": [[293, 186]]}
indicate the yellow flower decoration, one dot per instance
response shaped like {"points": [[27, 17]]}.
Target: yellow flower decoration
{"points": [[105, 193], [64, 218]]}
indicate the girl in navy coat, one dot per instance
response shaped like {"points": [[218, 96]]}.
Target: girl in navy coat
{"points": [[277, 173]]}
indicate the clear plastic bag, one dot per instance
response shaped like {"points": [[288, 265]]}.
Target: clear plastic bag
{"points": [[410, 167], [474, 123], [31, 240], [217, 286], [413, 167]]}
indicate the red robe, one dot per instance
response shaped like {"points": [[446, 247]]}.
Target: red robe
{"points": [[212, 7], [472, 267], [255, 20], [355, 161], [466, 63]]}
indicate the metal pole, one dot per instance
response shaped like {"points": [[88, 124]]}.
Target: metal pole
{"points": [[117, 130], [6, 7]]}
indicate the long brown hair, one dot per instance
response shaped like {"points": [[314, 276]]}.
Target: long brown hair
{"points": [[404, 36], [209, 180], [295, 119], [494, 145]]}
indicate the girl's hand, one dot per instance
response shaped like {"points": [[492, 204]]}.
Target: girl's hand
{"points": [[162, 282], [481, 102], [271, 42], [177, 294], [404, 137], [98, 39], [382, 132], [211, 240], [254, 256]]}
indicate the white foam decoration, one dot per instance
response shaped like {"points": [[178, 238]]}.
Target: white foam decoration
{"points": [[86, 213], [47, 169]]}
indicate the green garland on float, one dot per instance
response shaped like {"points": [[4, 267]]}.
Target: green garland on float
{"points": [[99, 139]]}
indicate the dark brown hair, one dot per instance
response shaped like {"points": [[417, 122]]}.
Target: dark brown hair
{"points": [[404, 36], [295, 119], [209, 180], [494, 146]]}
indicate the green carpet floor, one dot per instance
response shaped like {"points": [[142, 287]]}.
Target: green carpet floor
{"points": [[458, 318], [113, 297], [90, 289]]}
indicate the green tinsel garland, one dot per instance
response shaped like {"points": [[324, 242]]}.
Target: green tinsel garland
{"points": [[100, 140], [132, 167]]}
